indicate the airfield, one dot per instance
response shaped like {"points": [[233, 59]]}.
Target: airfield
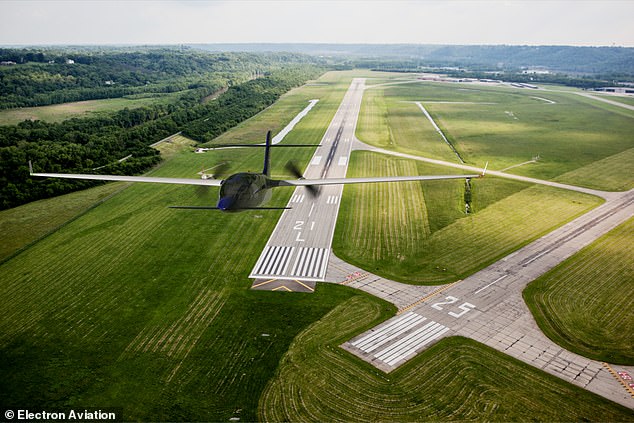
{"points": [[181, 325], [487, 306]]}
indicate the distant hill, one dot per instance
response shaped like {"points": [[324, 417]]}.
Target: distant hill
{"points": [[567, 59]]}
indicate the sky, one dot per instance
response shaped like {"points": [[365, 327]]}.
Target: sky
{"points": [[536, 22]]}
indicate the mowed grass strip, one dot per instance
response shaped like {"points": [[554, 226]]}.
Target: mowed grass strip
{"points": [[391, 239], [585, 303], [456, 379], [23, 225], [614, 173], [395, 214], [61, 112]]}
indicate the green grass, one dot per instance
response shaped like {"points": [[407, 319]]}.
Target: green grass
{"points": [[331, 89], [400, 126], [584, 304], [61, 112], [26, 224], [148, 309], [23, 225], [145, 308], [573, 133], [418, 233], [614, 173], [629, 100], [456, 379], [137, 306]]}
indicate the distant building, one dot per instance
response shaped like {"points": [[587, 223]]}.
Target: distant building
{"points": [[616, 90], [109, 82], [539, 70], [69, 61], [7, 63]]}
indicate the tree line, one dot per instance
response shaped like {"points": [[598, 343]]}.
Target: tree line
{"points": [[42, 77], [79, 145]]}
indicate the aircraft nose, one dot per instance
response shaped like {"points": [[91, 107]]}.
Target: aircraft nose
{"points": [[225, 203]]}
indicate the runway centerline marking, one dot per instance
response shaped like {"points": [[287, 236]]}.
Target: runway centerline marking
{"points": [[495, 281]]}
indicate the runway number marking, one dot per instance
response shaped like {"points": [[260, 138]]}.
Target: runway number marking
{"points": [[464, 307], [298, 227], [450, 300]]}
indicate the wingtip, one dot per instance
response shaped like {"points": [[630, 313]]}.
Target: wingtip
{"points": [[30, 168]]}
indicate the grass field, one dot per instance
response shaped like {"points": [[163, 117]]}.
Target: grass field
{"points": [[629, 100], [330, 90], [418, 232], [23, 225], [614, 173], [148, 309], [145, 308], [60, 112], [454, 380], [503, 126], [584, 304], [391, 123]]}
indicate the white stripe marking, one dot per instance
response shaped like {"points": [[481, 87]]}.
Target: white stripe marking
{"points": [[395, 333], [426, 339], [395, 321], [495, 281], [404, 342]]}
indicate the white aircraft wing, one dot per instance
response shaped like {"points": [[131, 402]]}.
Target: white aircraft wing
{"points": [[337, 181], [122, 178]]}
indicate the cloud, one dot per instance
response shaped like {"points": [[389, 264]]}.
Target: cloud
{"points": [[430, 22]]}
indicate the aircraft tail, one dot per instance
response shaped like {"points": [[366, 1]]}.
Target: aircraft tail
{"points": [[267, 155]]}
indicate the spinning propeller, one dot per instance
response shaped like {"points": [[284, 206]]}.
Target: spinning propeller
{"points": [[293, 169]]}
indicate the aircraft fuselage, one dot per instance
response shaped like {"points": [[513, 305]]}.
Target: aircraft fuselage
{"points": [[243, 191]]}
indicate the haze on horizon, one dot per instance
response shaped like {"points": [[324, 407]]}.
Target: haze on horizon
{"points": [[576, 23]]}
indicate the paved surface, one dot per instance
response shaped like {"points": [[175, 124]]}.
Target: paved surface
{"points": [[487, 307], [299, 247]]}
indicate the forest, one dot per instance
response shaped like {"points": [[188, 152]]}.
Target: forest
{"points": [[79, 145], [599, 62]]}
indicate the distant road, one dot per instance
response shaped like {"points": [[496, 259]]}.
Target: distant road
{"points": [[605, 100]]}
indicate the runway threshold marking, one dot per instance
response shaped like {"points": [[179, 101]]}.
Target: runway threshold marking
{"points": [[400, 338]]}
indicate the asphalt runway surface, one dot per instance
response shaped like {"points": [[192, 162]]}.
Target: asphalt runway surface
{"points": [[299, 247]]}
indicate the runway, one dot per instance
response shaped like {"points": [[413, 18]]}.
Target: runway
{"points": [[487, 306], [299, 247]]}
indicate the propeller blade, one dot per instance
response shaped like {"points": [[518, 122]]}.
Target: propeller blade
{"points": [[218, 170], [294, 170]]}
